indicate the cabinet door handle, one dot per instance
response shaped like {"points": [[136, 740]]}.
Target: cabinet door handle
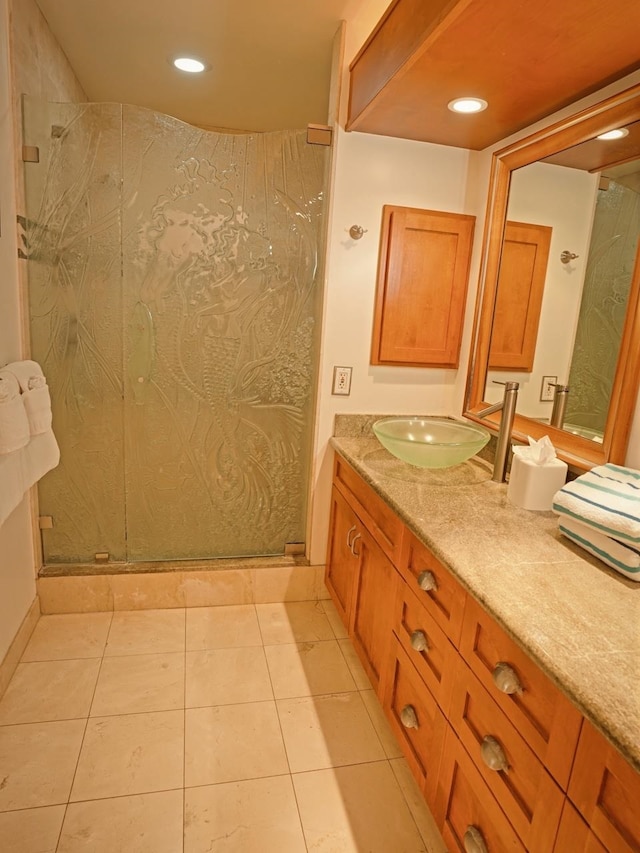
{"points": [[419, 641], [427, 581], [493, 754], [353, 544], [349, 532], [409, 718], [473, 841], [506, 679]]}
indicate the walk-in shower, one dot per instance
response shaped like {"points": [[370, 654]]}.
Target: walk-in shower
{"points": [[174, 301]]}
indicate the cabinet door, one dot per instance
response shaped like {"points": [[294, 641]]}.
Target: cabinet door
{"points": [[523, 270], [340, 573], [466, 812], [606, 790], [372, 613], [423, 272], [416, 720], [544, 717], [574, 836]]}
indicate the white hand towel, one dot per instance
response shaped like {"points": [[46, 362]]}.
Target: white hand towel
{"points": [[35, 394], [607, 506], [37, 403], [622, 558], [25, 371], [14, 423]]}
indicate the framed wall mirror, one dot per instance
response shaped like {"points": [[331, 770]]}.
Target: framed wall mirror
{"points": [[559, 298]]}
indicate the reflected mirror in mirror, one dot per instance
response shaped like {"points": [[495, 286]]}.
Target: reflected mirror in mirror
{"points": [[559, 296], [560, 317]]}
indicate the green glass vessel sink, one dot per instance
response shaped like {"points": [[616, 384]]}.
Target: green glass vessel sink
{"points": [[429, 442]]}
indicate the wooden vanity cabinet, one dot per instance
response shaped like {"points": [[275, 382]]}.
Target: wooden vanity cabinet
{"points": [[513, 773], [545, 718], [606, 791], [341, 560], [574, 836], [449, 678], [364, 537], [439, 592], [370, 623]]}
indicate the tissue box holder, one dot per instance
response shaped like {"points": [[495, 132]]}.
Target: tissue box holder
{"points": [[532, 486]]}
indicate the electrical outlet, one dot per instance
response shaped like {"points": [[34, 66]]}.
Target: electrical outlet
{"points": [[547, 389], [341, 381]]}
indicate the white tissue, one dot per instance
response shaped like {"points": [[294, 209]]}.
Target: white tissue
{"points": [[539, 452]]}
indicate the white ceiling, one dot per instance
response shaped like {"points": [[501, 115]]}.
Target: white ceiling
{"points": [[270, 59]]}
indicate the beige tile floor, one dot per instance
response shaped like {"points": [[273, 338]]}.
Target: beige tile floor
{"points": [[247, 728]]}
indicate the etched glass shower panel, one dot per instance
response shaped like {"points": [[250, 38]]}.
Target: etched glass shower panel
{"points": [[609, 272], [72, 240], [172, 276], [220, 248]]}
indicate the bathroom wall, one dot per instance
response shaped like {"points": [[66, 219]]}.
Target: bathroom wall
{"points": [[40, 68], [371, 171]]}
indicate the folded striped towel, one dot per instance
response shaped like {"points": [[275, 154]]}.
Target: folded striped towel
{"points": [[622, 558], [606, 499]]}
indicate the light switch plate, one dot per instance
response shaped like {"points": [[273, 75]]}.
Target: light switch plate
{"points": [[341, 381], [546, 389]]}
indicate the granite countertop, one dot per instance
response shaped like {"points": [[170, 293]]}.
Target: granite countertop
{"points": [[575, 617]]}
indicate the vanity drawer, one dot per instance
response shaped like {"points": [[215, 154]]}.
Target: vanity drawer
{"points": [[574, 836], [426, 645], [434, 585], [420, 738], [540, 712], [606, 790], [381, 521], [525, 791], [466, 806]]}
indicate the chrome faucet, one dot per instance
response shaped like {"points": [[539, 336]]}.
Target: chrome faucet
{"points": [[508, 407], [560, 397]]}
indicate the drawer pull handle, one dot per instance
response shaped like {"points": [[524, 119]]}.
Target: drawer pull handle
{"points": [[473, 841], [408, 717], [349, 532], [493, 754], [419, 641], [506, 679], [427, 581], [353, 544]]}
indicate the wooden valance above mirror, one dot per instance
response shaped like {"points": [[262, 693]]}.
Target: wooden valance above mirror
{"points": [[580, 159]]}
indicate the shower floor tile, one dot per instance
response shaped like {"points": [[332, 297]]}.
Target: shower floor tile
{"points": [[228, 728]]}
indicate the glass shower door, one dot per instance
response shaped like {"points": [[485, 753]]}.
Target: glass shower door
{"points": [[72, 240], [217, 301]]}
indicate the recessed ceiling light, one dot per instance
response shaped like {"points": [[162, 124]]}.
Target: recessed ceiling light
{"points": [[467, 105], [620, 133], [190, 64]]}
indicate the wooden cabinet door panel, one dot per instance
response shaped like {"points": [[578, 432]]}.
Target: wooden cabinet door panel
{"points": [[445, 598], [422, 742], [340, 572], [574, 836], [426, 645], [527, 794], [545, 718], [381, 521], [372, 612], [465, 803], [606, 790], [423, 273], [523, 270]]}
